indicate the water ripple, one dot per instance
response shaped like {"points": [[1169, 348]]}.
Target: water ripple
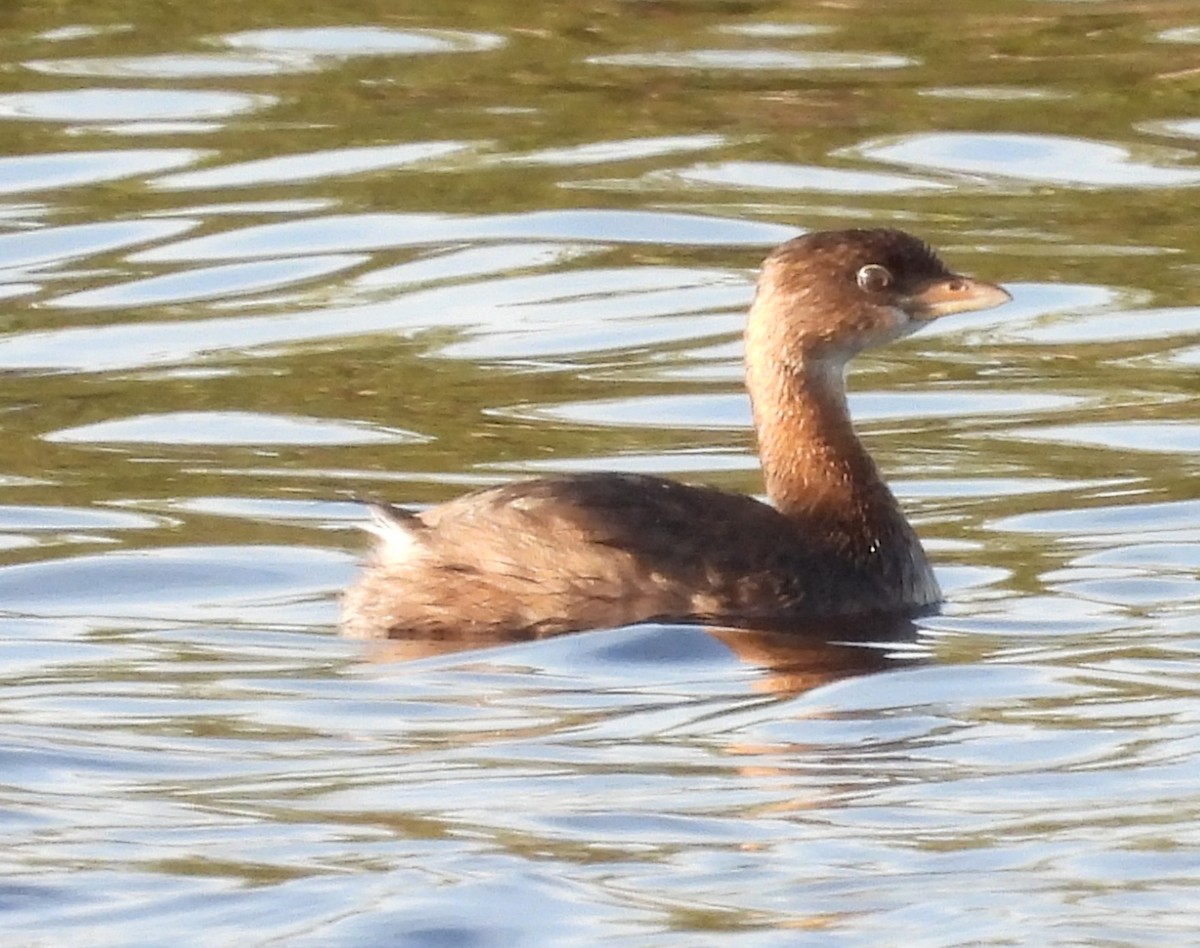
{"points": [[1167, 437], [1181, 34], [996, 93], [42, 518], [1048, 159], [221, 282], [58, 244], [630, 149], [755, 60], [176, 584], [1126, 325], [348, 41], [289, 169], [1180, 128], [174, 66], [504, 301], [128, 105], [71, 169], [778, 176], [1126, 521], [775, 30], [377, 231], [230, 428]]}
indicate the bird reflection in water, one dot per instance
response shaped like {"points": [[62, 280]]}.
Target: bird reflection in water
{"points": [[791, 658]]}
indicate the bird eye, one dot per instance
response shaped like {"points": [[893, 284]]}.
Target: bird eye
{"points": [[873, 278]]}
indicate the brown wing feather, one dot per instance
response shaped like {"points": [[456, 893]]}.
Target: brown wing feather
{"points": [[587, 550]]}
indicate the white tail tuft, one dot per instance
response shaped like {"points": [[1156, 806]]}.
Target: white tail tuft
{"points": [[398, 532]]}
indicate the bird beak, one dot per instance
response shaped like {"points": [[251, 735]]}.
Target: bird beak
{"points": [[954, 294]]}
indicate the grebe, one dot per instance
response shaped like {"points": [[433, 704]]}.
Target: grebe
{"points": [[580, 551]]}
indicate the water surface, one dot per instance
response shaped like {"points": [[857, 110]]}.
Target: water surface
{"points": [[257, 260]]}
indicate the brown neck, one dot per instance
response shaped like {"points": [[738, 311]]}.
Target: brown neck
{"points": [[815, 466], [820, 476]]}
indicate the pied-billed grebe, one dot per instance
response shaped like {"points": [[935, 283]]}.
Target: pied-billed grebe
{"points": [[580, 551]]}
